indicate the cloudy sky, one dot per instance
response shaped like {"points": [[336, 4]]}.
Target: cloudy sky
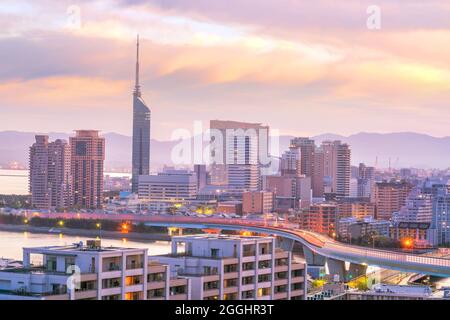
{"points": [[303, 67]]}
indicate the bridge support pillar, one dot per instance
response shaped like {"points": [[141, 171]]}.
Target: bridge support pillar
{"points": [[356, 270], [312, 258], [336, 267], [286, 244]]}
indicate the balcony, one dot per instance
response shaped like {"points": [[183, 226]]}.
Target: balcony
{"points": [[297, 279], [280, 296], [210, 292], [156, 285], [86, 294], [296, 293], [230, 275], [229, 290]]}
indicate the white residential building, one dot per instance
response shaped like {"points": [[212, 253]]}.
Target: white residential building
{"points": [[225, 267], [101, 273]]}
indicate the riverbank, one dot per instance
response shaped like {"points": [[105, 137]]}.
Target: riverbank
{"points": [[86, 233]]}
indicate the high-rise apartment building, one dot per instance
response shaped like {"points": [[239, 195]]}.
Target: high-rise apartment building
{"points": [[311, 163], [390, 197], [290, 163], [366, 181], [358, 208], [257, 202], [321, 217], [441, 216], [336, 167], [38, 177], [50, 177], [307, 149], [87, 158], [418, 208], [317, 182], [225, 267], [141, 132], [290, 192], [238, 150]]}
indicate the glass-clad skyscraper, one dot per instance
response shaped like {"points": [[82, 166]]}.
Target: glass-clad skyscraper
{"points": [[141, 132]]}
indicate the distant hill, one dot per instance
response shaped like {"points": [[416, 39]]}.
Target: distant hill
{"points": [[406, 149]]}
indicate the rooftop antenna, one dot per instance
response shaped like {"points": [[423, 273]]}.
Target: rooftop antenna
{"points": [[137, 87]]}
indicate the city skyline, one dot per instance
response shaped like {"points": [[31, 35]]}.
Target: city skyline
{"points": [[202, 63]]}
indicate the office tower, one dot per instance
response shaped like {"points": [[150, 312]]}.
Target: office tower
{"points": [[50, 178], [389, 197], [257, 202], [317, 182], [167, 188], [290, 192], [106, 273], [321, 217], [202, 176], [290, 162], [238, 153], [88, 155], [141, 132], [336, 168], [226, 267]]}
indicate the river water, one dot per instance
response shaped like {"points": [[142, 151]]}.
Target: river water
{"points": [[16, 181], [11, 243]]}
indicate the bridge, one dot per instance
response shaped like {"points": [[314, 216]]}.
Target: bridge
{"points": [[317, 249]]}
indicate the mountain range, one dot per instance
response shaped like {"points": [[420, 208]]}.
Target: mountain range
{"points": [[403, 149]]}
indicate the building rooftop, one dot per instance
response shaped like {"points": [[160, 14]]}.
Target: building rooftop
{"points": [[78, 248], [224, 237]]}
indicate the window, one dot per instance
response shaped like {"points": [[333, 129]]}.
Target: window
{"points": [[156, 277], [248, 294], [211, 285], [248, 280], [264, 264], [214, 253], [281, 262], [230, 268], [230, 283], [264, 278], [81, 148], [263, 292], [297, 273], [248, 266], [156, 293], [177, 290], [281, 275], [111, 283]]}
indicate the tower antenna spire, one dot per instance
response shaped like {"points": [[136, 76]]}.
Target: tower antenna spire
{"points": [[137, 87]]}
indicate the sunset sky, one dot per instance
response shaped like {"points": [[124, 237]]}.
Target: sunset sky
{"points": [[302, 67]]}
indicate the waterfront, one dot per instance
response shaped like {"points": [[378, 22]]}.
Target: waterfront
{"points": [[16, 181], [11, 243]]}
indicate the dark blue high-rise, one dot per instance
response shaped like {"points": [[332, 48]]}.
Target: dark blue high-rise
{"points": [[141, 132]]}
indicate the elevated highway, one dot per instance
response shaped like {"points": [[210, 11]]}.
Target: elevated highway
{"points": [[314, 245]]}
